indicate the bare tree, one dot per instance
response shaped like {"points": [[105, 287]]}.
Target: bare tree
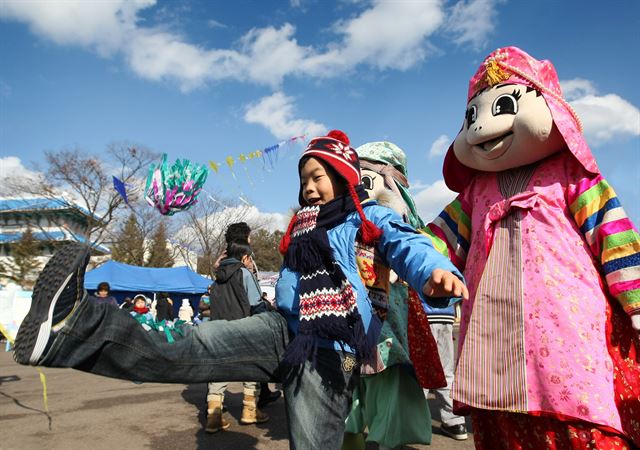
{"points": [[87, 179], [203, 228]]}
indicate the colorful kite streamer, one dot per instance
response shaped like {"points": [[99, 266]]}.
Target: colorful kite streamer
{"points": [[176, 188]]}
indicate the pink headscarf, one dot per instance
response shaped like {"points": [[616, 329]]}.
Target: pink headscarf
{"points": [[512, 65]]}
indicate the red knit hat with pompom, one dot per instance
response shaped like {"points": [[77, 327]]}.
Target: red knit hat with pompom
{"points": [[334, 150]]}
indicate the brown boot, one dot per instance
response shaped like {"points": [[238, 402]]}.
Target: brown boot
{"points": [[215, 421], [250, 412]]}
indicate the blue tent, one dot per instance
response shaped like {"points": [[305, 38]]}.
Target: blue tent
{"points": [[123, 277], [127, 281]]}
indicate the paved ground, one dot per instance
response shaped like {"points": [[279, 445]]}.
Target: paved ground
{"points": [[92, 412]]}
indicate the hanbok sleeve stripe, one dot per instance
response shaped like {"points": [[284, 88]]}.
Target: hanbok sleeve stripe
{"points": [[595, 198], [441, 239], [438, 238], [458, 213], [621, 275], [452, 231], [595, 236], [621, 236], [620, 251], [625, 286], [597, 218], [585, 191], [622, 263], [630, 301]]}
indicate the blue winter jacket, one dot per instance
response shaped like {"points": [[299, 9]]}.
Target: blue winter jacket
{"points": [[406, 251], [440, 315]]}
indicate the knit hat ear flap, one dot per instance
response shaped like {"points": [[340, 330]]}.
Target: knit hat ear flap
{"points": [[286, 238]]}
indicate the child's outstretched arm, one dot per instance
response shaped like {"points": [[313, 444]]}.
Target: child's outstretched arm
{"points": [[443, 283], [412, 256]]}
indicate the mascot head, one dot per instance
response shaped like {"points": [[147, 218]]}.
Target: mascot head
{"points": [[515, 116], [384, 174]]}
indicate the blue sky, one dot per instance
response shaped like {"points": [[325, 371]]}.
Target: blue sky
{"points": [[205, 80]]}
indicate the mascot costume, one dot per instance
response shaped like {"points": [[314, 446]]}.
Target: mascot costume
{"points": [[389, 400], [548, 351]]}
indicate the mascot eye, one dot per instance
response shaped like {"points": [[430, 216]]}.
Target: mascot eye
{"points": [[471, 115], [506, 104], [368, 182]]}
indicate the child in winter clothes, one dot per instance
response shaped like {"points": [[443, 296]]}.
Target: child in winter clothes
{"points": [[324, 304]]}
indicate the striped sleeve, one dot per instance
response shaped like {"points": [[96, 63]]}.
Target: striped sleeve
{"points": [[451, 230], [613, 239]]}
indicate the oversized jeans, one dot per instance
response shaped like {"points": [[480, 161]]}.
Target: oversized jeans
{"points": [[107, 341]]}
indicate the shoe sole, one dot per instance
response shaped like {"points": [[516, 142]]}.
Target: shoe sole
{"points": [[252, 422], [215, 430], [35, 331], [457, 437]]}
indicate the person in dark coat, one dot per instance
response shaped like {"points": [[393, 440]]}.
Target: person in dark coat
{"points": [[232, 297], [164, 307], [240, 233]]}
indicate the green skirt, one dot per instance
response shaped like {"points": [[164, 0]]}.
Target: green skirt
{"points": [[392, 405]]}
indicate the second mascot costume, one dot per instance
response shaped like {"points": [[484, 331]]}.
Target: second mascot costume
{"points": [[547, 354], [389, 400]]}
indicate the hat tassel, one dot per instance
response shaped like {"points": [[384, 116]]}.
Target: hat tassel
{"points": [[369, 232]]}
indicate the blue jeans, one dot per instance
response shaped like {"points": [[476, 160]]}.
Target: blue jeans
{"points": [[107, 341]]}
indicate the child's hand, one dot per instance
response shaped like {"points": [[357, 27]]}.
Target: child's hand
{"points": [[443, 283]]}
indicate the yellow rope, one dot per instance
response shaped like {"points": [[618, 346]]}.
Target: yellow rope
{"points": [[43, 381]]}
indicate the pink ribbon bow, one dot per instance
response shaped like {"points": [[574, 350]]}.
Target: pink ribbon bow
{"points": [[524, 201]]}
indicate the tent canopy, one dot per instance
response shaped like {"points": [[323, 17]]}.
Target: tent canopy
{"points": [[123, 277]]}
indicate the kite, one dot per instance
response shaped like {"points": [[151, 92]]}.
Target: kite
{"points": [[176, 188]]}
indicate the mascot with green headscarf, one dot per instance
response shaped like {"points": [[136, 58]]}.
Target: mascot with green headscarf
{"points": [[389, 401]]}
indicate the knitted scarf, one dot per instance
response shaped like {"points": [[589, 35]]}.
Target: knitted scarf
{"points": [[328, 307]]}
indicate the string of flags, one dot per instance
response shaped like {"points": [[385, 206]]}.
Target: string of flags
{"points": [[175, 188], [268, 154]]}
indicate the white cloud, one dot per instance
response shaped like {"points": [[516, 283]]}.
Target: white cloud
{"points": [[253, 216], [607, 117], [11, 167], [439, 146], [390, 34], [604, 117], [217, 222], [386, 35], [272, 53], [472, 22], [576, 88], [432, 199], [268, 221], [162, 56], [276, 113], [103, 26]]}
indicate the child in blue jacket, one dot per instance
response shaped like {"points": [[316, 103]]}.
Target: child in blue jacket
{"points": [[325, 311]]}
